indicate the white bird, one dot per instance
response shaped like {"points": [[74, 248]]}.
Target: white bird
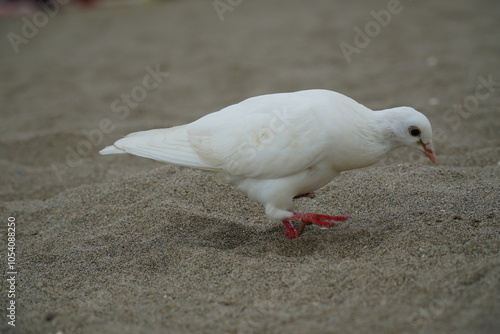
{"points": [[278, 147]]}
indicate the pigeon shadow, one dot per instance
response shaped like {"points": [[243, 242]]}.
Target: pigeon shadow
{"points": [[255, 241]]}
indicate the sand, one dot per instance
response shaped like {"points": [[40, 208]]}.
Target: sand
{"points": [[120, 244]]}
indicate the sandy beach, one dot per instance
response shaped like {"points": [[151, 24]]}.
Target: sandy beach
{"points": [[122, 244]]}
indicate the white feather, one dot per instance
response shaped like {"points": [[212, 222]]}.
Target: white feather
{"points": [[111, 150], [166, 145]]}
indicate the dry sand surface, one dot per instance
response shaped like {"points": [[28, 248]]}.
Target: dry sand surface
{"points": [[120, 244]]}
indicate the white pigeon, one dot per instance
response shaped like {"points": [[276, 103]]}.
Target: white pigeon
{"points": [[278, 147]]}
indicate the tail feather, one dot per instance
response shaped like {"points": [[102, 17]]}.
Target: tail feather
{"points": [[166, 145], [111, 150]]}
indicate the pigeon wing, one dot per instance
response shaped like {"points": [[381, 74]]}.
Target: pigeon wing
{"points": [[269, 136]]}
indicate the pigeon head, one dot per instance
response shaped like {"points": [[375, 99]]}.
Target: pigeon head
{"points": [[412, 129]]}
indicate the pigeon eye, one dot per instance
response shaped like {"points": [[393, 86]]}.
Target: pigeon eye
{"points": [[414, 131]]}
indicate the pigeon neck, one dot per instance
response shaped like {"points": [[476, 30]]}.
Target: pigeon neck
{"points": [[388, 123], [372, 140], [383, 129]]}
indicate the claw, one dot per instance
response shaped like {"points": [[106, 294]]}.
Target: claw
{"points": [[290, 230]]}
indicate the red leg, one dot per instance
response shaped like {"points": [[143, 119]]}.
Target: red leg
{"points": [[314, 218], [310, 218]]}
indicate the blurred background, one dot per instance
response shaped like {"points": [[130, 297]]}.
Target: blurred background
{"points": [[67, 65]]}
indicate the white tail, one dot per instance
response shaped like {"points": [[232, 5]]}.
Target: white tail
{"points": [[111, 150], [166, 145]]}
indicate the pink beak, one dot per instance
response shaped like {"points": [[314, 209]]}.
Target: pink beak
{"points": [[429, 152]]}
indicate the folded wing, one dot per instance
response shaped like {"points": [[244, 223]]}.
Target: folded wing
{"points": [[271, 136]]}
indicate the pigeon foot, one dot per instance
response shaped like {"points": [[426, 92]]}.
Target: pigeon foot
{"points": [[308, 219]]}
